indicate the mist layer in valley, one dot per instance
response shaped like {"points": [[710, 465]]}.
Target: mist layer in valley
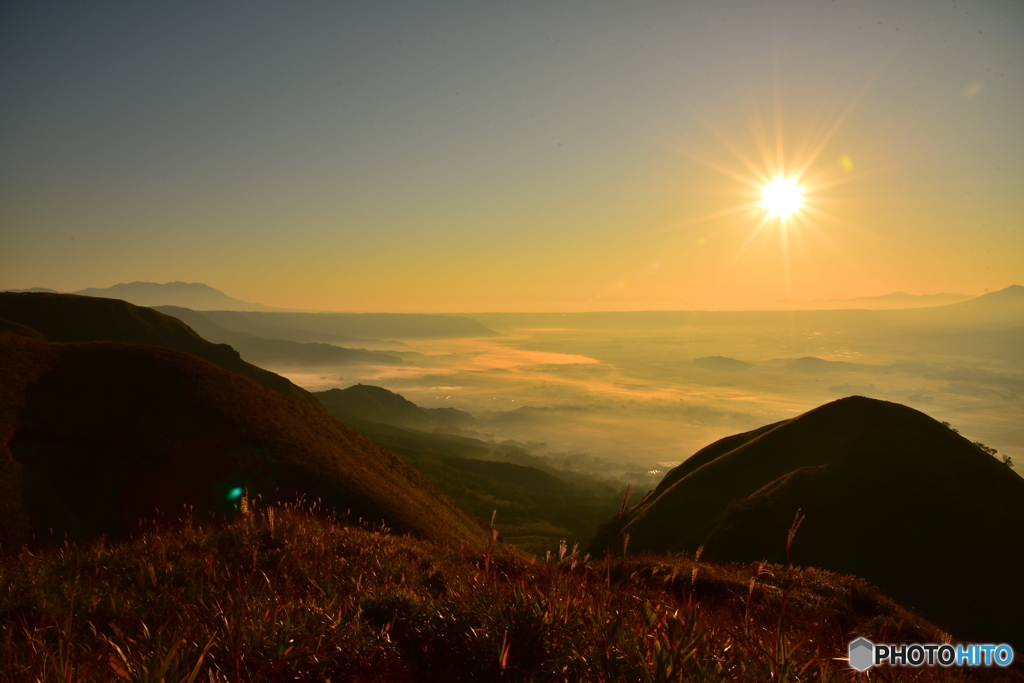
{"points": [[625, 394]]}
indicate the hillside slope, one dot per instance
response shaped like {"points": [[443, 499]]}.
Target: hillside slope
{"points": [[376, 404], [96, 437], [889, 494], [73, 318], [346, 327], [277, 352]]}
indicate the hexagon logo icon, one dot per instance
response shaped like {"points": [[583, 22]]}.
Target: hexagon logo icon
{"points": [[862, 653]]}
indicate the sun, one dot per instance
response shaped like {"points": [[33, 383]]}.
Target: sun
{"points": [[782, 198], [781, 190]]}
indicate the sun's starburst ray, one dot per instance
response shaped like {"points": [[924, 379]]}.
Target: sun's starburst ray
{"points": [[836, 249], [742, 250], [787, 183], [755, 169], [812, 132], [762, 140], [780, 154], [724, 213], [820, 147], [760, 177], [787, 275], [836, 125], [818, 185], [728, 172], [825, 215]]}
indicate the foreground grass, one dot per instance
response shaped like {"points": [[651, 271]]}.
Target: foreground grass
{"points": [[285, 594]]}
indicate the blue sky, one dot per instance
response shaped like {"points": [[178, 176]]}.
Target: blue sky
{"points": [[500, 156]]}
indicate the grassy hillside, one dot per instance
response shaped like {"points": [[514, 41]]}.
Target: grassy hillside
{"points": [[71, 318], [888, 494], [283, 594], [95, 437]]}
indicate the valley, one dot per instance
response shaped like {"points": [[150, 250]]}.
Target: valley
{"points": [[537, 449]]}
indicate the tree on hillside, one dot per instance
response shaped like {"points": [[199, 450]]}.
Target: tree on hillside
{"points": [[1007, 460]]}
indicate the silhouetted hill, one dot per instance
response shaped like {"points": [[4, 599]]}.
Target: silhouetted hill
{"points": [[376, 404], [96, 437], [32, 289], [1008, 296], [277, 351], [342, 327], [719, 363], [73, 318], [19, 329], [1003, 308], [889, 494], [194, 295]]}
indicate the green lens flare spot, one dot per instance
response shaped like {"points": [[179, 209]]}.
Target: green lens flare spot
{"points": [[235, 493]]}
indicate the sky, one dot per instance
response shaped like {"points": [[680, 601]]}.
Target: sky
{"points": [[483, 156]]}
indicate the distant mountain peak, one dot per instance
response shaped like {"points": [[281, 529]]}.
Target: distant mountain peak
{"points": [[167, 286], [1014, 292], [1009, 298], [721, 363], [194, 295], [899, 299]]}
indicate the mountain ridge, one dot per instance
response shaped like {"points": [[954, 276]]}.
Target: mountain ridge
{"points": [[195, 295], [97, 437], [277, 352], [74, 318], [376, 404], [305, 326], [893, 300]]}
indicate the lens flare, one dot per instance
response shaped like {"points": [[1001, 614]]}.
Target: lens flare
{"points": [[782, 198]]}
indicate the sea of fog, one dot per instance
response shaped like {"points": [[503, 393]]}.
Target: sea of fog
{"points": [[650, 395]]}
